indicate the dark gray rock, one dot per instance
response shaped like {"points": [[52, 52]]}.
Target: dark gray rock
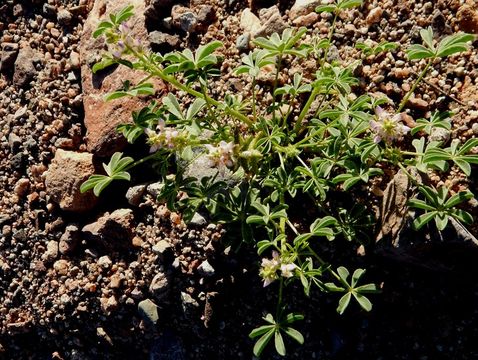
{"points": [[112, 230], [242, 42], [163, 249], [135, 194], [188, 21], [49, 10], [70, 239], [14, 141], [8, 56], [159, 286], [24, 69], [206, 15], [64, 17], [163, 42]]}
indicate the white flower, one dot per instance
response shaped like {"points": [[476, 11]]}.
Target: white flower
{"points": [[222, 154], [269, 268], [287, 270], [162, 137], [387, 127]]}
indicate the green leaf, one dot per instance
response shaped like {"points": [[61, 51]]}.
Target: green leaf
{"points": [[463, 165], [463, 216], [279, 343], [101, 185], [124, 14], [441, 221], [103, 64], [427, 36], [343, 303], [367, 289], [348, 4], [454, 43], [356, 276], [292, 317], [262, 343], [206, 50], [260, 330], [416, 52], [326, 8], [423, 219], [420, 204], [334, 288], [459, 198], [343, 273], [294, 334], [363, 301]]}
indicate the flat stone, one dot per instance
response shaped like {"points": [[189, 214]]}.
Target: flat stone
{"points": [[303, 7], [148, 311]]}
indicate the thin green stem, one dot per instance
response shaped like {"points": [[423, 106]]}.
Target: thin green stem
{"points": [[254, 99], [279, 300], [305, 109], [323, 263], [143, 160], [331, 34], [411, 91], [274, 87], [208, 104], [156, 70]]}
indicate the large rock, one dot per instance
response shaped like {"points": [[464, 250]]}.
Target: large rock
{"points": [[303, 7], [102, 118], [24, 69], [64, 177], [111, 230], [468, 19], [8, 56]]}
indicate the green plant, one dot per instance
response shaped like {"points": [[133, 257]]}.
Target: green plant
{"points": [[310, 140]]}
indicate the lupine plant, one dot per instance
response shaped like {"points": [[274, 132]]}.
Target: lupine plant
{"points": [[311, 139]]}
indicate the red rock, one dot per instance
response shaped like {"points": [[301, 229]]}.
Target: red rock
{"points": [[468, 19], [102, 118]]}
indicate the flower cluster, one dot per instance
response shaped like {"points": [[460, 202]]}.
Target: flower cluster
{"points": [[222, 154], [387, 127], [125, 41], [270, 267], [163, 137]]}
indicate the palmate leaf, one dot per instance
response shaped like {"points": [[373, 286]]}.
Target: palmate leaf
{"points": [[454, 43], [115, 170]]}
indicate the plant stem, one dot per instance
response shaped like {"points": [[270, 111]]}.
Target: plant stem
{"points": [[156, 70], [331, 34], [306, 109], [410, 92], [208, 104], [322, 262], [274, 87], [143, 160], [254, 99], [279, 300]]}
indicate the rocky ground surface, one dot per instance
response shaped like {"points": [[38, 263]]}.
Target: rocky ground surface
{"points": [[124, 277]]}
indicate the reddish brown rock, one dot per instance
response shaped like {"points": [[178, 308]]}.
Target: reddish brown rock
{"points": [[102, 118], [64, 177], [468, 19]]}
